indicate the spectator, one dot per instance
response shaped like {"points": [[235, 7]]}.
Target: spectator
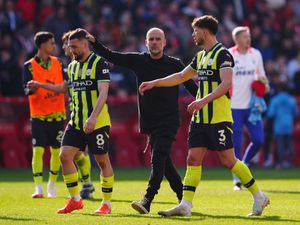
{"points": [[283, 110]]}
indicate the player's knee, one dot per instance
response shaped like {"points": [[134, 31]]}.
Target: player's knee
{"points": [[228, 163], [64, 157], [103, 164], [193, 160]]}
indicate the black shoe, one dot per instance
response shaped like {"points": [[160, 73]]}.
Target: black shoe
{"points": [[142, 206], [87, 190]]}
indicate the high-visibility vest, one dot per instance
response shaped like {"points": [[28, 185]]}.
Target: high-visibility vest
{"points": [[44, 102]]}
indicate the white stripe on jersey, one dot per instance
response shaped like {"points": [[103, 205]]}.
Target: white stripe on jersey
{"points": [[248, 67]]}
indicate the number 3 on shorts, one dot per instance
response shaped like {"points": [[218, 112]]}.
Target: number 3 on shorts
{"points": [[222, 137]]}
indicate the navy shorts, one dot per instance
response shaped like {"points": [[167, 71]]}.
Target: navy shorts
{"points": [[97, 141], [212, 136], [45, 133]]}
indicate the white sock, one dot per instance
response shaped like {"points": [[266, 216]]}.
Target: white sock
{"points": [[76, 198], [258, 195], [39, 188], [88, 182], [51, 184], [235, 179], [186, 204], [105, 202]]}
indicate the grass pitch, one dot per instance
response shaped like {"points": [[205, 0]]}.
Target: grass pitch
{"points": [[215, 201]]}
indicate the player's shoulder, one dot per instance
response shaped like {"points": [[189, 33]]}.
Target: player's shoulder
{"points": [[254, 51], [225, 58], [72, 62], [101, 59], [28, 62], [173, 59], [233, 50], [225, 53], [58, 59]]}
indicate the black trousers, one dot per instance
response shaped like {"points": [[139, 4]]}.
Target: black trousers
{"points": [[162, 165]]}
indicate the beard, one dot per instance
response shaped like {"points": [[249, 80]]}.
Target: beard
{"points": [[199, 42], [78, 57], [155, 51]]}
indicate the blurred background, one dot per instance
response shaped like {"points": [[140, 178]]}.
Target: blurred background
{"points": [[121, 25]]}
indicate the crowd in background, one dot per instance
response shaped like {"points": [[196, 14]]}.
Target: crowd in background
{"points": [[122, 24]]}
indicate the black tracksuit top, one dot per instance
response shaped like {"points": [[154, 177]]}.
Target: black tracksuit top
{"points": [[158, 108]]}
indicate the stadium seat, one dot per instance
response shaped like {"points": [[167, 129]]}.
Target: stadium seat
{"points": [[126, 152], [8, 129], [14, 153]]}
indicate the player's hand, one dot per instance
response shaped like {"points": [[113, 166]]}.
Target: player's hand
{"points": [[89, 125], [32, 86], [146, 86], [90, 37], [196, 106]]}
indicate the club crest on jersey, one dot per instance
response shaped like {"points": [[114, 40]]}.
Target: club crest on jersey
{"points": [[209, 62], [88, 72]]}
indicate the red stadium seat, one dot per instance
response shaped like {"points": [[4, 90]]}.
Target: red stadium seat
{"points": [[126, 152], [14, 153], [9, 129]]}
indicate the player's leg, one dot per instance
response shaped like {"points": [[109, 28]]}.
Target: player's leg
{"points": [[98, 144], [256, 140], [37, 171], [223, 144], [54, 170], [197, 150], [242, 171], [38, 142], [82, 160], [106, 181], [239, 117], [55, 133], [73, 141], [191, 180]]}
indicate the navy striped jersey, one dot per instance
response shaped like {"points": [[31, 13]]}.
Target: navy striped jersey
{"points": [[84, 78], [208, 64]]}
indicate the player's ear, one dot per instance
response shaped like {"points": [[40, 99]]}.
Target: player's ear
{"points": [[86, 43]]}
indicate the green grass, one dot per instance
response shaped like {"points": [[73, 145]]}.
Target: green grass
{"points": [[215, 201]]}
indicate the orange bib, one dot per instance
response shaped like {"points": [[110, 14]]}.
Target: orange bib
{"points": [[44, 102]]}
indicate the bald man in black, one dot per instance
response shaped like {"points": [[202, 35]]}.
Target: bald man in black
{"points": [[158, 108]]}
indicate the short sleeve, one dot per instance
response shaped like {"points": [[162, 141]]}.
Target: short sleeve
{"points": [[102, 71], [27, 72], [193, 63], [225, 60]]}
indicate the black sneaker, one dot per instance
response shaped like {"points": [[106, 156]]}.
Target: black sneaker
{"points": [[87, 190], [142, 206]]}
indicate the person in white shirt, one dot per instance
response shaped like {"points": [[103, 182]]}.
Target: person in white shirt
{"points": [[248, 68]]}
